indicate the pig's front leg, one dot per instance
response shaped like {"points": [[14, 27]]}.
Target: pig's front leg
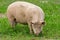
{"points": [[30, 27]]}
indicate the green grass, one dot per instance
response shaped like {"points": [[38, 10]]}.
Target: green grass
{"points": [[21, 32]]}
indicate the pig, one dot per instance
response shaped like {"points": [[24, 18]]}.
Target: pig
{"points": [[26, 13]]}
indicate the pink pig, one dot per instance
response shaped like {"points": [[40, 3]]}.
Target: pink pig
{"points": [[24, 12]]}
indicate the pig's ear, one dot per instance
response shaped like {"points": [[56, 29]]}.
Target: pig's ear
{"points": [[32, 22], [43, 23]]}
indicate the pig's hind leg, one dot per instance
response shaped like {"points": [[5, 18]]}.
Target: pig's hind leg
{"points": [[12, 21]]}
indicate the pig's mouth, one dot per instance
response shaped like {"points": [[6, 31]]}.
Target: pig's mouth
{"points": [[36, 31]]}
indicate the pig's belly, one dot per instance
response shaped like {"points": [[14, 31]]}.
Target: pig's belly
{"points": [[21, 19]]}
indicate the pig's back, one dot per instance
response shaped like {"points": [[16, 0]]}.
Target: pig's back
{"points": [[23, 10]]}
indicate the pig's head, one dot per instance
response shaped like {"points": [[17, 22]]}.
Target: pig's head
{"points": [[37, 27]]}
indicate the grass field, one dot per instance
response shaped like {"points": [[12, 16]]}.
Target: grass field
{"points": [[51, 30]]}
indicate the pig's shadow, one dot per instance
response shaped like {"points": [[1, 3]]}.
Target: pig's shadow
{"points": [[22, 29], [18, 29]]}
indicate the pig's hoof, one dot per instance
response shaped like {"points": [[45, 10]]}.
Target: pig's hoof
{"points": [[31, 32], [13, 27]]}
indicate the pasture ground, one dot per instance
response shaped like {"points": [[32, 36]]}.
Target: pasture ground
{"points": [[51, 29]]}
